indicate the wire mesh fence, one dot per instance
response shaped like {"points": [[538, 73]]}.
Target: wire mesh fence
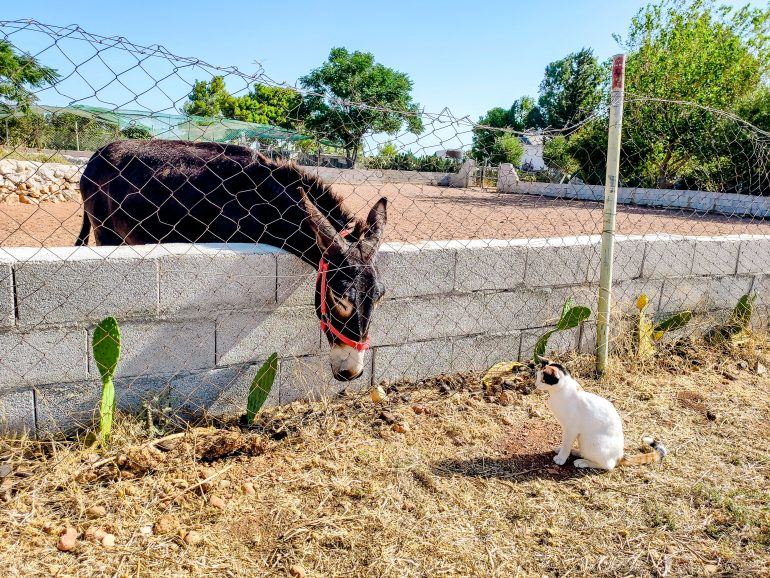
{"points": [[216, 242]]}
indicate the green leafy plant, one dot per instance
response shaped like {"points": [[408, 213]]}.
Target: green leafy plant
{"points": [[571, 316], [106, 348], [261, 386], [737, 326], [647, 332]]}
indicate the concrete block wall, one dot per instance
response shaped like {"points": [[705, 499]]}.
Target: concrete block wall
{"points": [[198, 320], [704, 201]]}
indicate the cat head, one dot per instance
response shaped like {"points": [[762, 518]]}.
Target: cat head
{"points": [[551, 376]]}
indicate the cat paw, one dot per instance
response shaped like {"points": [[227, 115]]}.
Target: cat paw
{"points": [[559, 460], [583, 464], [556, 449]]}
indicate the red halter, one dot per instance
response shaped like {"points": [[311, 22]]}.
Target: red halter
{"points": [[326, 324]]}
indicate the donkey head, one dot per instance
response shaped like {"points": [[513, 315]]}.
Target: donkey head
{"points": [[348, 291]]}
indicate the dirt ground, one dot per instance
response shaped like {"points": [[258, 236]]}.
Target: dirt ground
{"points": [[427, 213], [465, 487]]}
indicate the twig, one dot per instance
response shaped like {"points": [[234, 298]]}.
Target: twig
{"points": [[199, 484]]}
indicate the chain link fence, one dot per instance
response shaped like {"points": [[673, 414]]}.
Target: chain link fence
{"points": [[216, 242]]}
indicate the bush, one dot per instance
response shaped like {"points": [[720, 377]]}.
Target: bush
{"points": [[410, 162]]}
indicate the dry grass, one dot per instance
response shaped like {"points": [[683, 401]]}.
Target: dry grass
{"points": [[23, 154], [468, 490]]}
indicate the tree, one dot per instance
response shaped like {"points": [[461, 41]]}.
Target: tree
{"points": [[507, 148], [136, 131], [572, 89], [208, 98], [352, 96], [755, 108], [19, 74], [484, 138]]}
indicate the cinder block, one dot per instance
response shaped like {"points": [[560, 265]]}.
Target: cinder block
{"points": [[17, 412], [703, 293], [296, 281], [244, 337], [703, 201], [7, 313], [410, 270], [490, 264], [760, 318], [421, 318], [412, 360], [559, 342], [625, 294], [43, 356], [716, 255], [559, 261], [508, 311], [50, 291], [222, 280], [311, 378], [754, 255], [626, 263], [668, 257], [163, 347], [480, 352]]}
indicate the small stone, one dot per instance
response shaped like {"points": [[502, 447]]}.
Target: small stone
{"points": [[419, 409], [743, 364], [166, 524], [193, 538], [68, 541], [378, 394], [297, 571], [224, 483], [710, 569], [95, 534], [96, 512], [505, 399], [108, 541], [401, 427], [761, 369], [217, 502], [712, 416], [506, 421], [248, 488], [146, 530]]}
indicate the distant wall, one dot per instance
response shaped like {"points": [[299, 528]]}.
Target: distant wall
{"points": [[704, 201], [198, 319]]}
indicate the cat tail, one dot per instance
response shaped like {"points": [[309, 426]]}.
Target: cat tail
{"points": [[659, 452]]}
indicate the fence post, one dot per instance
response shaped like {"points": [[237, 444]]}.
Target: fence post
{"points": [[610, 208]]}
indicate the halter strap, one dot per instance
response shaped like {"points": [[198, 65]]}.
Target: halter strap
{"points": [[326, 324]]}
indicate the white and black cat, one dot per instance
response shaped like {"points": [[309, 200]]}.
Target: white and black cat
{"points": [[590, 420]]}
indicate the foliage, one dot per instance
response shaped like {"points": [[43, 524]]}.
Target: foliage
{"points": [[19, 74], [408, 161], [572, 89], [506, 148], [556, 155], [260, 387], [345, 82], [262, 104], [136, 131], [571, 316], [738, 324], [646, 332], [69, 131], [106, 352]]}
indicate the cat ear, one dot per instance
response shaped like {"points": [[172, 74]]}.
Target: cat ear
{"points": [[544, 362]]}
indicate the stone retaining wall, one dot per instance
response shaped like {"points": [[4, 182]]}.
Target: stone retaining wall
{"points": [[31, 182], [198, 319]]}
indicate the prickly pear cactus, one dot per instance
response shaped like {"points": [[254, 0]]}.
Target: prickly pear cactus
{"points": [[571, 316], [643, 330], [106, 351], [260, 387]]}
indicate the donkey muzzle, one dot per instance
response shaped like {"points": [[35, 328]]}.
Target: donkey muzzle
{"points": [[347, 362]]}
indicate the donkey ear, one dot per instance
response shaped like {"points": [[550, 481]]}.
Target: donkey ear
{"points": [[325, 233], [375, 226]]}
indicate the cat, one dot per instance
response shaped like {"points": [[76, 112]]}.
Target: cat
{"points": [[590, 420]]}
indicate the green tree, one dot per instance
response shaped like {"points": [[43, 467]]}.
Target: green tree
{"points": [[572, 89], [507, 148], [755, 108], [19, 75], [484, 138], [353, 96], [136, 131], [208, 98], [557, 155], [264, 104]]}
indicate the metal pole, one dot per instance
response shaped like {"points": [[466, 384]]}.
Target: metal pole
{"points": [[77, 136], [610, 208]]}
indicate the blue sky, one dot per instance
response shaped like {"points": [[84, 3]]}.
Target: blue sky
{"points": [[466, 56]]}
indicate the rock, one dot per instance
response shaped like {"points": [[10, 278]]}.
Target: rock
{"points": [[711, 416], [761, 369], [401, 427], [743, 364], [388, 417], [378, 394], [217, 502], [108, 541], [193, 538], [166, 524], [68, 541], [297, 571], [506, 421], [145, 530], [505, 399], [419, 409], [96, 512], [248, 488]]}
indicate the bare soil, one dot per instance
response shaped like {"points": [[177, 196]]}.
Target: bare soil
{"points": [[467, 488], [421, 212]]}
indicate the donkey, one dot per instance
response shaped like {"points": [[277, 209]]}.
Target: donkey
{"points": [[142, 192]]}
